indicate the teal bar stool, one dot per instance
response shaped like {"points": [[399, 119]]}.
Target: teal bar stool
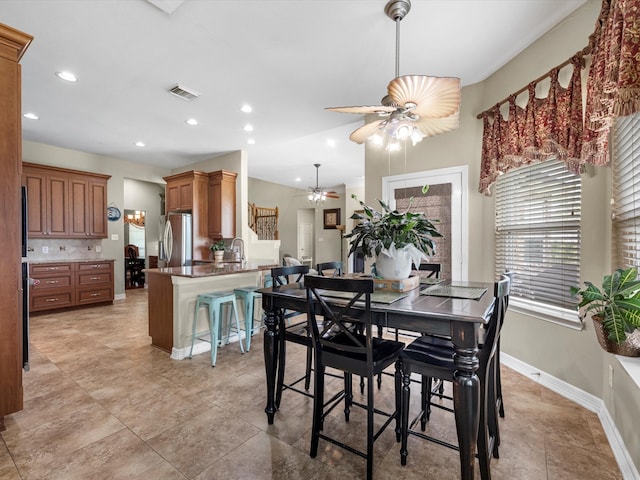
{"points": [[248, 296], [215, 302]]}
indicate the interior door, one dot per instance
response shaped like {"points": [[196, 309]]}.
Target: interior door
{"points": [[305, 232]]}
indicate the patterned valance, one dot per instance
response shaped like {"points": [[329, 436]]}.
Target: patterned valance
{"points": [[613, 85], [545, 128], [553, 126]]}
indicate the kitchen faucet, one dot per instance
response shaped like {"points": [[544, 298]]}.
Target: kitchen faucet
{"points": [[233, 242]]}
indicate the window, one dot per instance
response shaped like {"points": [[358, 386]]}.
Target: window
{"points": [[538, 238], [626, 191]]}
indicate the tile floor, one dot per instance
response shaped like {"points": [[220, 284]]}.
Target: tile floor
{"points": [[101, 403]]}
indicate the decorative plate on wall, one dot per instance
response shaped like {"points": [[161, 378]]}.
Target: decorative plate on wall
{"points": [[113, 214]]}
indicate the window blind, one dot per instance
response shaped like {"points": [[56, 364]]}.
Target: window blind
{"points": [[626, 191], [538, 232]]}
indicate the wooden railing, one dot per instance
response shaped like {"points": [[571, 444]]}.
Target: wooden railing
{"points": [[264, 221]]}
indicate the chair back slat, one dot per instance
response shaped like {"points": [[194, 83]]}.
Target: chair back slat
{"points": [[336, 266], [433, 269], [285, 275], [338, 332]]}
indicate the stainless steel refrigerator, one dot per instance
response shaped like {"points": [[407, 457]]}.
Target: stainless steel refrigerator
{"points": [[178, 239]]}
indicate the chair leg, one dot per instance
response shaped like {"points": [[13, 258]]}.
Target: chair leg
{"points": [[348, 395], [318, 403], [425, 401], [398, 394], [404, 413], [234, 307], [499, 396], [307, 372], [214, 326], [282, 353], [483, 438], [370, 406], [195, 321]]}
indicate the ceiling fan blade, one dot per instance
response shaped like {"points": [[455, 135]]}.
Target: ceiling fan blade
{"points": [[332, 195], [435, 126], [434, 97], [361, 134], [364, 109]]}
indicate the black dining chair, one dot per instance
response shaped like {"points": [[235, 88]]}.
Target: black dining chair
{"points": [[294, 330], [432, 357], [335, 267], [499, 399], [338, 345]]}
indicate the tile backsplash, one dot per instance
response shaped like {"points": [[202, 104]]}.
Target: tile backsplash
{"points": [[51, 249]]}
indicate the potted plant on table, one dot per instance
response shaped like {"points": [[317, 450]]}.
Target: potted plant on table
{"points": [[218, 250], [396, 239], [615, 310]]}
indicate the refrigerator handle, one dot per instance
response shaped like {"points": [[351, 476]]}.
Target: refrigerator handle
{"points": [[168, 241]]}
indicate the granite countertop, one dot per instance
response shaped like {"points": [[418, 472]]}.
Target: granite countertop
{"points": [[68, 260], [213, 269]]}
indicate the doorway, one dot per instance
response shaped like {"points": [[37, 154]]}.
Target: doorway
{"points": [[305, 243]]}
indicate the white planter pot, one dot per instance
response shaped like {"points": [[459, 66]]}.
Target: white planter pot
{"points": [[396, 267]]}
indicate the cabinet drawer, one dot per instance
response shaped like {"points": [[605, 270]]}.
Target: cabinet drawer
{"points": [[95, 295], [93, 278], [52, 300], [59, 281], [37, 269], [93, 267]]}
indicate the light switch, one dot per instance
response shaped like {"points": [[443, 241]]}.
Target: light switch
{"points": [[114, 236], [98, 248], [45, 249]]}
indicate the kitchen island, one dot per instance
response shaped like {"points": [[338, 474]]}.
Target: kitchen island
{"points": [[172, 297]]}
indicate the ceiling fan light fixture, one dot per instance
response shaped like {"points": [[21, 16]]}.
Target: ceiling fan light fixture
{"points": [[317, 195], [415, 107]]}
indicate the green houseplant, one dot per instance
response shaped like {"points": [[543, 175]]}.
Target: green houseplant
{"points": [[393, 235], [218, 250], [615, 309]]}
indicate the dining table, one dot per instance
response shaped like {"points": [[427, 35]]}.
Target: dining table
{"points": [[454, 309]]}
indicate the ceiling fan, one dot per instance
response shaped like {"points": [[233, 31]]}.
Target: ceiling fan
{"points": [[416, 106], [318, 194]]}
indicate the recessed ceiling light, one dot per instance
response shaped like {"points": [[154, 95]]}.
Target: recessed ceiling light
{"points": [[68, 76], [251, 141], [246, 108], [140, 144], [331, 142], [298, 179], [248, 128], [192, 121], [31, 116]]}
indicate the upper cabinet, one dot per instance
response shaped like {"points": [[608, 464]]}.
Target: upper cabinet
{"points": [[222, 204], [64, 203], [187, 192]]}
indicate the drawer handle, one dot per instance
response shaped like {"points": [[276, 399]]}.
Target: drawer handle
{"points": [[52, 268], [53, 300], [94, 278], [51, 282], [95, 294]]}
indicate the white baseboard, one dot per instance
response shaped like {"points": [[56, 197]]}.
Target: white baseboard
{"points": [[586, 400], [200, 347]]}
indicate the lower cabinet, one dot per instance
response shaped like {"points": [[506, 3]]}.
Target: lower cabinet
{"points": [[69, 284]]}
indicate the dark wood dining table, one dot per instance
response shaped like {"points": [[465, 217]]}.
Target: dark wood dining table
{"points": [[416, 311]]}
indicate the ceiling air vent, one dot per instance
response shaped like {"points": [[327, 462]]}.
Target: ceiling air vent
{"points": [[184, 93]]}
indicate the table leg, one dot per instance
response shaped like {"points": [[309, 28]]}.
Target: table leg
{"points": [[466, 401], [270, 359]]}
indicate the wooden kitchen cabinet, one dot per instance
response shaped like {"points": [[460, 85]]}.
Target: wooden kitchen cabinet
{"points": [[70, 284], [88, 206], [53, 286], [94, 282], [222, 204], [47, 202], [187, 192], [63, 203], [13, 44]]}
